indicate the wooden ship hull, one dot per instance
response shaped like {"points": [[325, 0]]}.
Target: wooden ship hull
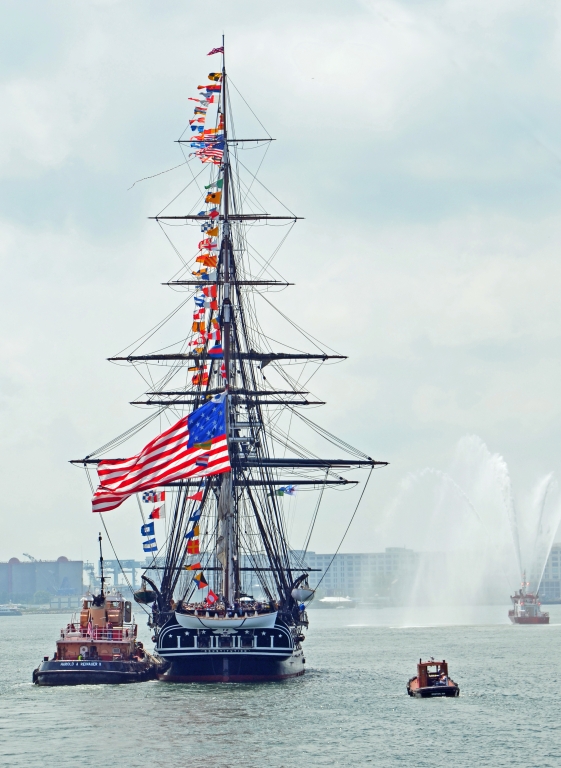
{"points": [[229, 655], [230, 668]]}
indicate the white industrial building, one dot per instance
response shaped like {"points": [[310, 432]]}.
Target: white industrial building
{"points": [[550, 587], [358, 575]]}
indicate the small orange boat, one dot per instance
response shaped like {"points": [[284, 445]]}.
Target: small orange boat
{"points": [[432, 680]]}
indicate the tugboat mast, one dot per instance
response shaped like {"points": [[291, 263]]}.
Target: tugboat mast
{"points": [[102, 577]]}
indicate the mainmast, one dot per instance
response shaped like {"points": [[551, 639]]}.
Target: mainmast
{"points": [[226, 551], [226, 237]]}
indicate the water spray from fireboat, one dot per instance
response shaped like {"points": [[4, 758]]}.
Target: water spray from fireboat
{"points": [[475, 541]]}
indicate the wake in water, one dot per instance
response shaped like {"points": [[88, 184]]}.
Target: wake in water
{"points": [[474, 542]]}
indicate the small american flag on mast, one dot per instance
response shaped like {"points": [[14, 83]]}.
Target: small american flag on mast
{"points": [[203, 460], [216, 50], [174, 455]]}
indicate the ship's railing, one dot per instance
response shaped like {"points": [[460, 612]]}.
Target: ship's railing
{"points": [[79, 634], [221, 611]]}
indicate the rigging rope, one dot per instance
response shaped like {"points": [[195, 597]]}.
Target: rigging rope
{"points": [[113, 548], [313, 522], [158, 174], [231, 82], [346, 529], [120, 565]]}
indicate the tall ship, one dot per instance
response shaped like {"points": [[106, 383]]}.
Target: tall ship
{"points": [[224, 591], [526, 607]]}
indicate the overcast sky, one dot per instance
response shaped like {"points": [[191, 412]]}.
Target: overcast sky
{"points": [[420, 141]]}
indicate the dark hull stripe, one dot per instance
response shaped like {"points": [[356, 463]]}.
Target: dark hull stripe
{"points": [[228, 679], [91, 678], [112, 673]]}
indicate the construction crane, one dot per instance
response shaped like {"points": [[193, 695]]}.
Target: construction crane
{"points": [[33, 559]]}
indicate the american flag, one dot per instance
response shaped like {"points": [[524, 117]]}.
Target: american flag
{"points": [[210, 154], [173, 455], [213, 160]]}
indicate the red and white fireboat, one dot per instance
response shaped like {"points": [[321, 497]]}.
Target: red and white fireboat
{"points": [[527, 607]]}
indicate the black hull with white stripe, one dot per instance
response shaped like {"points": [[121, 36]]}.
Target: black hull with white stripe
{"points": [[230, 655], [97, 672]]}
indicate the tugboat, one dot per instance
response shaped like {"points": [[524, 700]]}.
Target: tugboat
{"points": [[100, 646], [432, 680], [526, 607]]}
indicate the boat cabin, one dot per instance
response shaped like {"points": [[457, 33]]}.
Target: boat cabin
{"points": [[431, 673], [104, 631], [526, 606]]}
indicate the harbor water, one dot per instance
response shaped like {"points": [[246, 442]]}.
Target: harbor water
{"points": [[349, 709]]}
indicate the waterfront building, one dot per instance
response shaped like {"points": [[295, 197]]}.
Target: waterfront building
{"points": [[371, 574], [550, 587], [20, 581]]}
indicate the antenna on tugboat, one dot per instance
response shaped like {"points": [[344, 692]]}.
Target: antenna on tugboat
{"points": [[102, 577]]}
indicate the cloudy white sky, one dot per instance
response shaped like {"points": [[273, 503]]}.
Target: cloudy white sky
{"points": [[420, 141]]}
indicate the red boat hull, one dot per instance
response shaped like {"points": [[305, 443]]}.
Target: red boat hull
{"points": [[529, 619]]}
